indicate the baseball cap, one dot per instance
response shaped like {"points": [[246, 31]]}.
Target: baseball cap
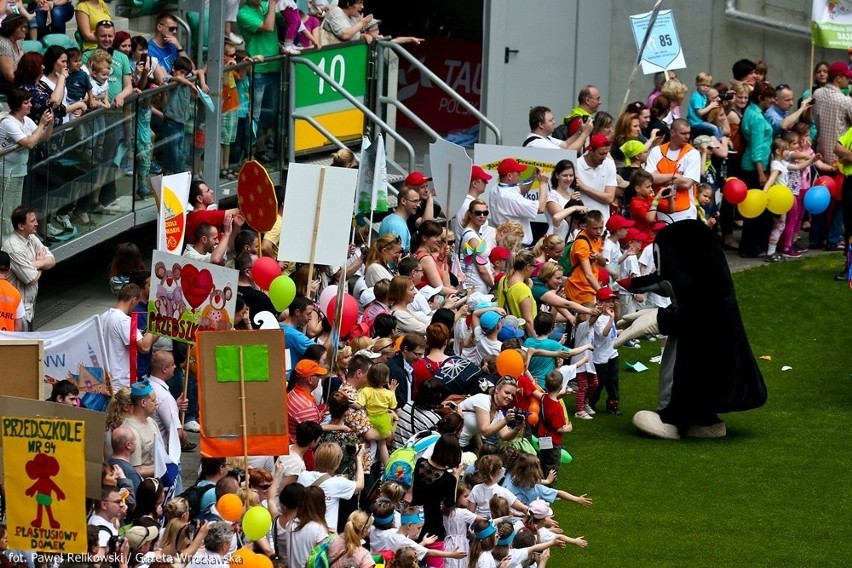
{"points": [[5, 260], [429, 292], [368, 354], [508, 332], [621, 182], [617, 222], [141, 388], [489, 321], [137, 536], [839, 68], [604, 293], [499, 253], [308, 368], [416, 178], [478, 298], [634, 234], [510, 165], [599, 141], [539, 509], [631, 149], [478, 173]]}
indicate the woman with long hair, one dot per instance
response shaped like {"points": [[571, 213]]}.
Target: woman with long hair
{"points": [[627, 127], [346, 551], [547, 291], [473, 248], [382, 259], [660, 109], [549, 248], [149, 501], [513, 292], [308, 528], [421, 413], [400, 294], [487, 415], [328, 457], [757, 132], [428, 243], [126, 260], [564, 200]]}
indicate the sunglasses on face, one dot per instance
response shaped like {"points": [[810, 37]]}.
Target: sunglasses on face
{"points": [[481, 213]]}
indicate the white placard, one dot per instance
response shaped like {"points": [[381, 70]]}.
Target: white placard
{"points": [[173, 197], [449, 191], [300, 212], [663, 50]]}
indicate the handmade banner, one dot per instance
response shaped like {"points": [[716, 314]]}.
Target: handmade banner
{"points": [[450, 169], [256, 197], [94, 446], [241, 394], [43, 470], [188, 296], [373, 177], [831, 23], [75, 353], [318, 210], [171, 222], [663, 50]]}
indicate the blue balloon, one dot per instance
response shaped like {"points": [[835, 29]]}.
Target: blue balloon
{"points": [[817, 199]]}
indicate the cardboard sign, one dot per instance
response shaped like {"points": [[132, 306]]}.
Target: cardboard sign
{"points": [[171, 220], [43, 469], [93, 455], [256, 197], [663, 50], [219, 390], [317, 216], [446, 157], [189, 296], [42, 358]]}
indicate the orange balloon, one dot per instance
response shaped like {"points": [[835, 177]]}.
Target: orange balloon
{"points": [[230, 507], [262, 561], [535, 407], [510, 363], [244, 558]]}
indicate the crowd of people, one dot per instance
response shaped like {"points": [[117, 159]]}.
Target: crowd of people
{"points": [[434, 432]]}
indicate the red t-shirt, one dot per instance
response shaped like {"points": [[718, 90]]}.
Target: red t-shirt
{"points": [[424, 369], [216, 217], [639, 207], [523, 396], [554, 417]]}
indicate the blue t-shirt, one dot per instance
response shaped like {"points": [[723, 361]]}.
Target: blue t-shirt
{"points": [[78, 84], [540, 366], [165, 55], [297, 342], [697, 101], [395, 224], [527, 495]]}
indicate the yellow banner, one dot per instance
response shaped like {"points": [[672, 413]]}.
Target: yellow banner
{"points": [[45, 479]]}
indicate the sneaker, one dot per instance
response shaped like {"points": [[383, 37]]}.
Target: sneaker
{"points": [[656, 359], [188, 447], [791, 253], [82, 217], [236, 39], [801, 248], [589, 410], [192, 426], [97, 208], [155, 169], [64, 221], [632, 344], [572, 385], [53, 231], [583, 415], [773, 258], [291, 50], [614, 410]]}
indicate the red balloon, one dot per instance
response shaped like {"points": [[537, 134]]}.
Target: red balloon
{"points": [[734, 191], [827, 182], [838, 187], [349, 317], [264, 270]]}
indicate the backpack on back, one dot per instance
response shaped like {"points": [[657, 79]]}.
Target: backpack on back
{"points": [[193, 496], [318, 558], [565, 259]]}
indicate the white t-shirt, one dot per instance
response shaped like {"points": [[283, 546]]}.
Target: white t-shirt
{"points": [[103, 535], [13, 131], [689, 166], [604, 343], [486, 560], [562, 229], [647, 266], [167, 418], [301, 542], [115, 325], [457, 220], [507, 204], [780, 166], [546, 142], [335, 487], [583, 336], [598, 178], [485, 345], [391, 539], [468, 261], [481, 495], [192, 254], [468, 409], [611, 252], [292, 463]]}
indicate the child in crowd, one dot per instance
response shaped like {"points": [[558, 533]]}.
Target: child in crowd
{"points": [[605, 356], [700, 106], [524, 480], [395, 493], [779, 170], [406, 535], [78, 85], [628, 268], [490, 470], [379, 400], [587, 380], [456, 522], [616, 227], [406, 557], [706, 204], [643, 207], [540, 365], [553, 422], [177, 114], [230, 106], [486, 328], [539, 514], [647, 266], [498, 258], [484, 541]]}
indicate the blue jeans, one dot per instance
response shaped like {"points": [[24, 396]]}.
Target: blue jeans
{"points": [[173, 142], [265, 98], [60, 15], [706, 128]]}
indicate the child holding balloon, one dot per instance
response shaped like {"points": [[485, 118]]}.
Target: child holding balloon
{"points": [[779, 174]]}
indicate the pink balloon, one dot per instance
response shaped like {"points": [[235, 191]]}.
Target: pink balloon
{"points": [[349, 317], [329, 294], [264, 270]]}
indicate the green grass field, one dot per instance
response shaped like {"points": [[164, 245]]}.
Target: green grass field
{"points": [[777, 491]]}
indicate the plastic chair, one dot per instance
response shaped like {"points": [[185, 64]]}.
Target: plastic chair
{"points": [[61, 40], [33, 45], [147, 7], [192, 18]]}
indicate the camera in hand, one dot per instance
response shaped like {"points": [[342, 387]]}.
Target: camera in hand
{"points": [[726, 96]]}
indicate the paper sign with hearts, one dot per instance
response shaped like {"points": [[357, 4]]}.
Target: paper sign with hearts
{"points": [[196, 285]]}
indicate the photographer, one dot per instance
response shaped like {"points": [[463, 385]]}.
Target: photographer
{"points": [[489, 416]]}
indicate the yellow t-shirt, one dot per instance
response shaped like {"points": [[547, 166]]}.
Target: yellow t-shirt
{"points": [[511, 299], [845, 141], [376, 401], [96, 14]]}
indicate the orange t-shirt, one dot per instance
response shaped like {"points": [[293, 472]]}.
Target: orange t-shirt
{"points": [[577, 287]]}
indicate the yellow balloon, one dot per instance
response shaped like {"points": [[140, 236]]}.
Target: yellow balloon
{"points": [[779, 199], [754, 204]]}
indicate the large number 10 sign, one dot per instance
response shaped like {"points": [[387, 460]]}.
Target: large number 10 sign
{"points": [[347, 66]]}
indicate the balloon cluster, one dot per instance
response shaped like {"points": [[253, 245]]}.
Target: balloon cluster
{"points": [[349, 316], [267, 275], [256, 523], [751, 203]]}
